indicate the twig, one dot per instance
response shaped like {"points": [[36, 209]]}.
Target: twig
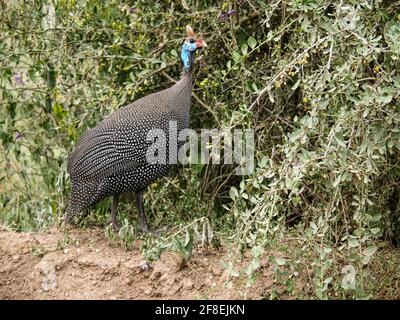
{"points": [[286, 67], [153, 73], [184, 5], [24, 89]]}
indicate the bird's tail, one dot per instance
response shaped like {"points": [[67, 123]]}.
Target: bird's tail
{"points": [[70, 213], [81, 197], [72, 209]]}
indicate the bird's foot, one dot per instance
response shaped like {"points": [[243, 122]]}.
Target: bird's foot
{"points": [[67, 226], [159, 231], [116, 226], [155, 232], [144, 228]]}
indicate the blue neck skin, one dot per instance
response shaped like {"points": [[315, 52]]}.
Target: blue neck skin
{"points": [[187, 55]]}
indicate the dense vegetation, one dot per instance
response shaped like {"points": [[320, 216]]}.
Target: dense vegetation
{"points": [[318, 81]]}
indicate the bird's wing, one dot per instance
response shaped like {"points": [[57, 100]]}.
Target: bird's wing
{"points": [[119, 142], [111, 147]]}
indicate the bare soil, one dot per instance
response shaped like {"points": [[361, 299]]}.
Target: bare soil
{"points": [[83, 265]]}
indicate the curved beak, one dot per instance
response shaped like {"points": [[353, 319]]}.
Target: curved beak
{"points": [[201, 44]]}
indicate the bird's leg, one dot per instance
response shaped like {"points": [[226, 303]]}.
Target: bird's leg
{"points": [[142, 217], [114, 206]]}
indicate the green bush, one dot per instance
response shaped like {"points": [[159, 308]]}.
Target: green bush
{"points": [[317, 80]]}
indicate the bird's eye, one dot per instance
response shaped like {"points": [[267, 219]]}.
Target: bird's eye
{"points": [[192, 41]]}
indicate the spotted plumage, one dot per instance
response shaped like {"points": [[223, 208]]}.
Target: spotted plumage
{"points": [[110, 159]]}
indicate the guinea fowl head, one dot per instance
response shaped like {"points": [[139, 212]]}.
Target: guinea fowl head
{"points": [[189, 47]]}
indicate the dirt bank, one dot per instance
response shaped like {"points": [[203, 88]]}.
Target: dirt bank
{"points": [[81, 264]]}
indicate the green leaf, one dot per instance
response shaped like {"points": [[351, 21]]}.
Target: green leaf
{"points": [[337, 181], [376, 217], [313, 225], [271, 97], [252, 42], [51, 76], [328, 280], [296, 85], [263, 162], [375, 230], [353, 243], [244, 48], [57, 110], [253, 200], [233, 193], [365, 260], [370, 250], [384, 99], [236, 56], [234, 273], [226, 207]]}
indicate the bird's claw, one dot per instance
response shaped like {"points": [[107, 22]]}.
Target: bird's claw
{"points": [[116, 226]]}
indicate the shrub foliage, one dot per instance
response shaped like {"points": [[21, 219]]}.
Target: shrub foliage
{"points": [[317, 80]]}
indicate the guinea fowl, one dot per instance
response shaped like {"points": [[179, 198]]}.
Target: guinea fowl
{"points": [[110, 159]]}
